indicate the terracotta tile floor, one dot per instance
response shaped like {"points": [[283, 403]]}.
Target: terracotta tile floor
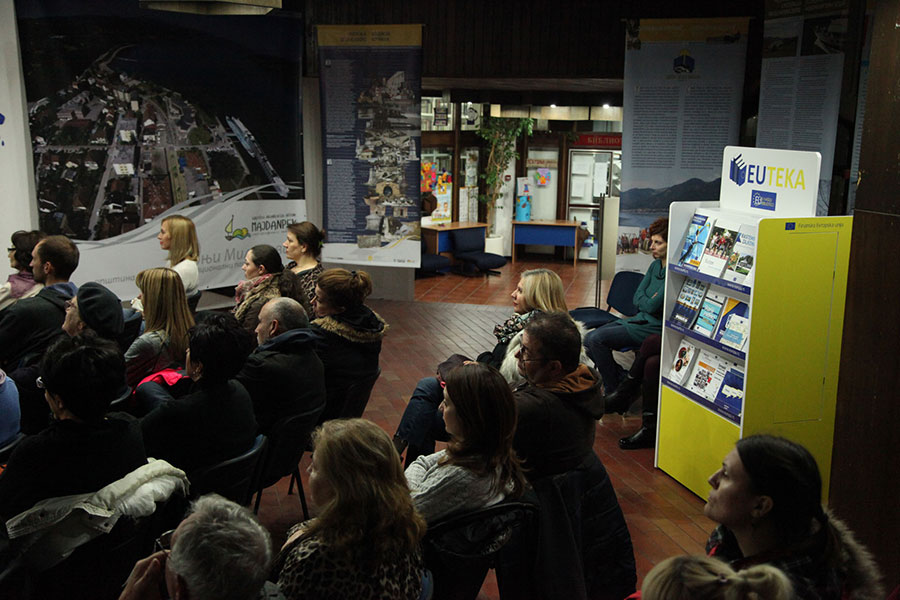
{"points": [[457, 314]]}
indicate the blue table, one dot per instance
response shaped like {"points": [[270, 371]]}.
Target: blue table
{"points": [[546, 233]]}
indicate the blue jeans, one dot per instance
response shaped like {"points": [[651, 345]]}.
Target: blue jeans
{"points": [[599, 344], [422, 423]]}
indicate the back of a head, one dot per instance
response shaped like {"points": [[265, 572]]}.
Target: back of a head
{"points": [[787, 473], [289, 313], [165, 305], [24, 242], [86, 371], [558, 337], [266, 256], [543, 290], [221, 551], [307, 233], [370, 504], [62, 253], [101, 310], [219, 342], [345, 289], [707, 578], [184, 244]]}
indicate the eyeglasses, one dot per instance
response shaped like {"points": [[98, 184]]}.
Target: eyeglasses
{"points": [[39, 382], [13, 249], [164, 542], [523, 352]]}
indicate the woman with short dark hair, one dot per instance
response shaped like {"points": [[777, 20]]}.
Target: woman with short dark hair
{"points": [[20, 284]]}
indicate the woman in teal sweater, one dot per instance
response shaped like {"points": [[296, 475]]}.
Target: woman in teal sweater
{"points": [[630, 332]]}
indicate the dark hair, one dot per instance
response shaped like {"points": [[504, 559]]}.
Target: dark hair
{"points": [[219, 342], [266, 256], [86, 371], [659, 227], [309, 234], [787, 473], [558, 337], [343, 288], [24, 242], [62, 253], [487, 414]]}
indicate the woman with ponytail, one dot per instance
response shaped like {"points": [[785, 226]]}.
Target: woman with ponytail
{"points": [[705, 578], [767, 498]]}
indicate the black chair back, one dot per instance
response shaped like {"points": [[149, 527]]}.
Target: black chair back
{"points": [[349, 402], [287, 443], [233, 478], [621, 292]]}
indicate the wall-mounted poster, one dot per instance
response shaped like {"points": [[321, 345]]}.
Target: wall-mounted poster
{"points": [[139, 114], [370, 85]]}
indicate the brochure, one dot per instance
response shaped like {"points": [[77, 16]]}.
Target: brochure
{"points": [[718, 248], [710, 310], [734, 324], [688, 302], [731, 392], [743, 255], [696, 238], [707, 375], [681, 366]]}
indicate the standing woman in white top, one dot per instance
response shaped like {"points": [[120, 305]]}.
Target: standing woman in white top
{"points": [[178, 235]]}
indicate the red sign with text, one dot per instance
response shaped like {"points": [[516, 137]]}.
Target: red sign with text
{"points": [[599, 140]]}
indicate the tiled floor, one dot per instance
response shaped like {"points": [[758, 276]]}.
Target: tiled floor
{"points": [[457, 314]]}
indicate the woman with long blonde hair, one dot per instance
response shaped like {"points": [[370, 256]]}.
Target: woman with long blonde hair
{"points": [[178, 235], [167, 319], [364, 542]]}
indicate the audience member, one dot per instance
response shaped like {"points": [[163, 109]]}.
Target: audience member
{"points": [[220, 551], [479, 467], [9, 409], [83, 449], [20, 284], [350, 333], [767, 498], [643, 376], [167, 319], [631, 331], [262, 281], [30, 325], [364, 544], [705, 578], [283, 376], [178, 235], [215, 421], [560, 402], [303, 247], [94, 307]]}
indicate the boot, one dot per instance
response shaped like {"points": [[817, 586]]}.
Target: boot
{"points": [[643, 438], [623, 396]]}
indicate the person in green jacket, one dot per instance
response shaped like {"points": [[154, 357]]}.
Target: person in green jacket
{"points": [[631, 331]]}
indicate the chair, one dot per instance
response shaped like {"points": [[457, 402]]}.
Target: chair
{"points": [[233, 478], [7, 449], [287, 443], [468, 249], [621, 294], [433, 264], [193, 301], [459, 550]]}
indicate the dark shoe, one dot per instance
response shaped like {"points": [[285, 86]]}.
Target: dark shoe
{"points": [[623, 396], [643, 438]]}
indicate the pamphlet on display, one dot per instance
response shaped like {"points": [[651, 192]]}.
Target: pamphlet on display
{"points": [[710, 310], [684, 357], [718, 247], [688, 302], [734, 324], [743, 255], [695, 240], [707, 375], [731, 392]]}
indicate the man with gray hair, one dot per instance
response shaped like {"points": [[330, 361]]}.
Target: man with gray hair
{"points": [[284, 376], [218, 552]]}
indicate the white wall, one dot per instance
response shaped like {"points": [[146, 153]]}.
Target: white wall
{"points": [[18, 204]]}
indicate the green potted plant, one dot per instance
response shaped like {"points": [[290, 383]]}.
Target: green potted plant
{"points": [[501, 135]]}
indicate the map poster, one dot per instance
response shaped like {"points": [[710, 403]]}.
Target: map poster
{"points": [[370, 82], [684, 81], [138, 114]]}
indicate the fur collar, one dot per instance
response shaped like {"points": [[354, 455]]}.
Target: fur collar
{"points": [[361, 328]]}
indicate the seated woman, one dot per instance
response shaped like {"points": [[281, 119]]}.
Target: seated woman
{"points": [[350, 333], [643, 376], [265, 278], [479, 467], [705, 578], [83, 449], [303, 247], [538, 291], [364, 543], [215, 420], [167, 319], [767, 498], [20, 284], [178, 235], [631, 331]]}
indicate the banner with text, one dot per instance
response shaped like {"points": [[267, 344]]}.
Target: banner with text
{"points": [[684, 80], [370, 82], [139, 114], [800, 85]]}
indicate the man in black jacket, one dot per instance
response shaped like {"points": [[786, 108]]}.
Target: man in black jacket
{"points": [[284, 376], [29, 326], [561, 401]]}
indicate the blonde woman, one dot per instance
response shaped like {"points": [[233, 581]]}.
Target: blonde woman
{"points": [[364, 543], [167, 319], [178, 235], [706, 578]]}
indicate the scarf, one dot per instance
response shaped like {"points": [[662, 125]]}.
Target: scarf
{"points": [[508, 329], [247, 285], [20, 283]]}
